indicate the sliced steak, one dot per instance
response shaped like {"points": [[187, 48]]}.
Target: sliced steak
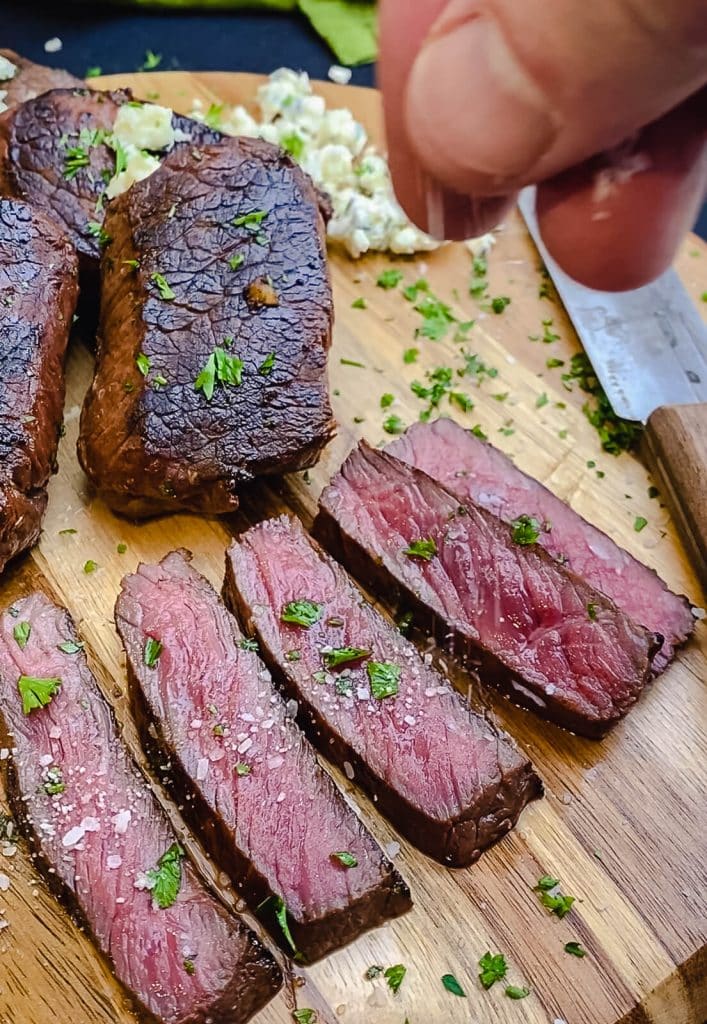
{"points": [[471, 468], [532, 627], [38, 290], [248, 779], [21, 79], [104, 844], [54, 154], [450, 781], [201, 386]]}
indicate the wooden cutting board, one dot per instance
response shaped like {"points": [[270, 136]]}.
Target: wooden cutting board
{"points": [[623, 821]]}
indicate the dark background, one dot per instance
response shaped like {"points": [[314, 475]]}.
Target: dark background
{"points": [[116, 39]]}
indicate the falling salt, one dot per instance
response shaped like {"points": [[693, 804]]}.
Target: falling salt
{"points": [[340, 75], [53, 45], [114, 861], [348, 770], [363, 693], [4, 882], [202, 769], [121, 820], [550, 689], [45, 760]]}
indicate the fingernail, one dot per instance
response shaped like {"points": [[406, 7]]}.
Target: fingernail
{"points": [[474, 117], [456, 217]]}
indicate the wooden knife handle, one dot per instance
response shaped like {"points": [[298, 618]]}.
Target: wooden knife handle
{"points": [[675, 447]]}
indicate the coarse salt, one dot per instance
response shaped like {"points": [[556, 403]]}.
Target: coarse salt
{"points": [[53, 45], [4, 882], [72, 837], [348, 770], [121, 820], [339, 74], [45, 760], [114, 861], [202, 769], [245, 745]]}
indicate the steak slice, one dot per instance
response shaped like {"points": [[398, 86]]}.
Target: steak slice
{"points": [[98, 836], [21, 79], [53, 153], [247, 777], [38, 291], [534, 629], [472, 469], [198, 393], [450, 781]]}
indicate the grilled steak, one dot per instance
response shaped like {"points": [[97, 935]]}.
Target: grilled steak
{"points": [[21, 79], [103, 843], [534, 629], [38, 289], [54, 154], [248, 779], [471, 468], [200, 385], [450, 782]]}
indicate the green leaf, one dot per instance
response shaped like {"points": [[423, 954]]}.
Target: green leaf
{"points": [[343, 685], [95, 230], [188, 965], [93, 72], [21, 634], [425, 549], [162, 286], [89, 566], [452, 985], [304, 1016], [574, 949], [393, 424], [121, 548], [553, 362], [541, 400], [151, 61], [384, 677], [478, 432], [639, 523], [344, 656], [293, 144], [166, 879], [54, 783], [266, 367], [70, 646], [352, 362], [152, 652], [386, 400], [345, 858], [236, 261], [526, 530], [499, 303], [206, 379], [389, 278], [410, 355], [547, 890], [280, 910], [248, 644], [243, 769], [516, 992], [251, 220], [213, 115], [359, 303], [75, 158], [301, 613], [394, 976], [492, 968], [229, 369], [547, 882], [350, 28], [36, 692], [592, 611], [143, 363]]}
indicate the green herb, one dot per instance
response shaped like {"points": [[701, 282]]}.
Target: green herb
{"points": [[54, 783], [440, 384], [343, 685], [345, 858], [302, 613], [151, 61], [305, 1016], [546, 883], [394, 976], [93, 72], [35, 692], [507, 431], [501, 396], [293, 656], [121, 157], [248, 644], [21, 634], [132, 264], [492, 968], [555, 902], [517, 992], [410, 355], [541, 400], [463, 329], [343, 656], [212, 117], [393, 424], [478, 432], [405, 623], [552, 362], [478, 284], [422, 548], [158, 381], [221, 367], [162, 286], [548, 334], [386, 400], [280, 910], [373, 972], [236, 261], [600, 474], [251, 220], [476, 368], [166, 879], [562, 434], [266, 367], [592, 611], [574, 949], [591, 464], [143, 363], [616, 435], [152, 652], [452, 985], [499, 303], [95, 230], [437, 318], [639, 523], [70, 646], [188, 965], [90, 566], [65, 533], [352, 362], [293, 144], [384, 677], [526, 530], [390, 278], [359, 303], [412, 291], [242, 768]]}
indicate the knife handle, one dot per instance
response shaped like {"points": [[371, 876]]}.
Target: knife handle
{"points": [[675, 447]]}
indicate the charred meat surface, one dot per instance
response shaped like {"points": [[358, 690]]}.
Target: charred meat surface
{"points": [[246, 776], [38, 291], [21, 79], [103, 843], [471, 468], [532, 627], [449, 780], [197, 388], [55, 153]]}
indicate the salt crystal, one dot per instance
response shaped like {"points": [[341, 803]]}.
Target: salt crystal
{"points": [[340, 75], [280, 798], [121, 821], [247, 717], [55, 732], [245, 745], [550, 689], [114, 861], [120, 899], [4, 882], [291, 708], [73, 836], [53, 45], [196, 724], [275, 762], [348, 770], [202, 769], [698, 613], [392, 849], [4, 924], [363, 693], [4, 754], [409, 720], [91, 824], [45, 760]]}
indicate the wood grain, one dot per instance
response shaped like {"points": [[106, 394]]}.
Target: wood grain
{"points": [[622, 824]]}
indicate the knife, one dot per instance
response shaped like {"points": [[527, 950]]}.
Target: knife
{"points": [[648, 347]]}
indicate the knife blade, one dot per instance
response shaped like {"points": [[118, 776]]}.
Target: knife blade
{"points": [[648, 347]]}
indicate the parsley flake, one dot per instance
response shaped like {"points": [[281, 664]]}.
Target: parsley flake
{"points": [[36, 692], [551, 898], [575, 949], [143, 363], [410, 355], [70, 646], [452, 985], [251, 220], [236, 261], [517, 991], [592, 611], [165, 880], [393, 424], [242, 768], [89, 566], [492, 968], [76, 157], [248, 644], [301, 613], [359, 303], [541, 400], [93, 72], [219, 367], [21, 634], [639, 523], [345, 858], [384, 677], [422, 548], [188, 965], [389, 278], [54, 783], [163, 286], [152, 652], [151, 61], [499, 303], [95, 230], [266, 367], [344, 656], [394, 976], [525, 530], [304, 1016], [386, 400]]}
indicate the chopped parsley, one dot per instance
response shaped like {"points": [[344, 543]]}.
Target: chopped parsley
{"points": [[132, 264], [352, 362], [616, 434], [476, 368], [437, 318], [219, 367], [54, 783], [386, 400], [93, 72], [389, 278], [21, 634], [242, 768], [75, 158], [492, 968], [343, 685], [548, 334], [344, 656], [384, 677], [162, 286], [293, 144], [151, 61], [393, 424], [478, 284], [266, 367], [592, 611], [212, 118], [152, 652], [394, 976], [188, 965], [345, 858], [499, 303], [251, 221], [95, 230], [422, 548], [541, 400], [121, 548], [143, 363], [165, 880], [517, 991], [501, 396], [67, 532], [452, 985], [89, 566], [550, 896], [478, 432], [70, 646], [302, 613], [293, 656], [279, 908], [304, 1016], [236, 261], [525, 530], [410, 355], [553, 362], [639, 523], [575, 949], [248, 644], [440, 383], [36, 693], [359, 303]]}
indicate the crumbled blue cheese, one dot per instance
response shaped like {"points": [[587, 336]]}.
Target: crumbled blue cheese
{"points": [[8, 70], [139, 165], [141, 130]]}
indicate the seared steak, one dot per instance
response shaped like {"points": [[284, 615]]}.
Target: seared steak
{"points": [[54, 154], [532, 627], [471, 468], [38, 290], [450, 782], [21, 79], [200, 384], [103, 843], [247, 778]]}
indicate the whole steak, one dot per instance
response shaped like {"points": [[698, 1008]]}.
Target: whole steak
{"points": [[216, 317]]}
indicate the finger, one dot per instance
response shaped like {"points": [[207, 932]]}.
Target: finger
{"points": [[616, 221]]}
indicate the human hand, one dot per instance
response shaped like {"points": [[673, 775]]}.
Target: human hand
{"points": [[601, 102]]}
